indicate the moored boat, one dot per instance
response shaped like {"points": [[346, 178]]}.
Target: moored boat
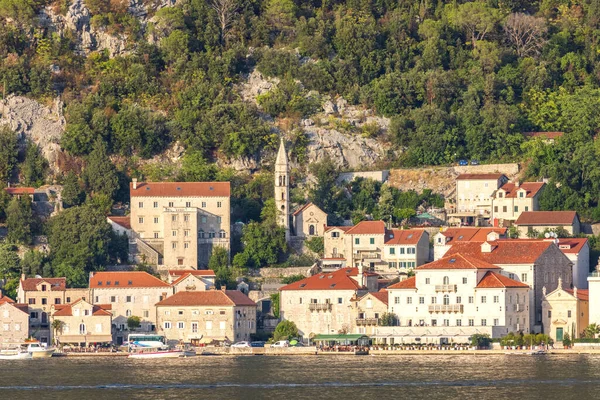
{"points": [[15, 354], [157, 354], [39, 351]]}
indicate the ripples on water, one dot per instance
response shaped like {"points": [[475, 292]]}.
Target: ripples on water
{"points": [[310, 377]]}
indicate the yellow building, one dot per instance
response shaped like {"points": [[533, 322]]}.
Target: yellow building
{"points": [[14, 321], [82, 323], [565, 311], [509, 201], [474, 194], [368, 311]]}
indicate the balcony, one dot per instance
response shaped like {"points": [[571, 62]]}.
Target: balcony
{"points": [[445, 288], [367, 321], [319, 306], [518, 307], [367, 256], [457, 308]]}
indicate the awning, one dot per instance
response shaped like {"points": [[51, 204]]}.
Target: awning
{"points": [[84, 338], [339, 338]]}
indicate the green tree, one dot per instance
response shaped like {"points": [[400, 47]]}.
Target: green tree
{"points": [[262, 245], [388, 319], [322, 194], [275, 297], [10, 268], [72, 194], [100, 175], [33, 263], [20, 220], [285, 330], [476, 19], [133, 323], [591, 331], [219, 263], [4, 202], [35, 166], [316, 245], [8, 152]]}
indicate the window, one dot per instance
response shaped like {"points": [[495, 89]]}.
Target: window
{"points": [[180, 325], [471, 322], [523, 277], [511, 276], [203, 204], [194, 327], [222, 234], [141, 204], [188, 203], [203, 219], [335, 234], [402, 250], [496, 299], [44, 300], [219, 221], [409, 300], [483, 299], [446, 280], [155, 204], [526, 208], [219, 204], [516, 209], [446, 300], [411, 250], [31, 301], [180, 312], [155, 235], [156, 220], [427, 281], [446, 322], [34, 315], [340, 300], [173, 218], [208, 325], [69, 299], [371, 240], [464, 281], [421, 300], [495, 209], [504, 208], [146, 314], [97, 301], [483, 322], [128, 313], [392, 251], [569, 314], [43, 288], [167, 325], [496, 322], [549, 314], [459, 322], [82, 329], [356, 240], [113, 299], [141, 220], [521, 194], [171, 204], [470, 299], [186, 245], [434, 322], [186, 217], [396, 300], [458, 299], [174, 245], [433, 300]]}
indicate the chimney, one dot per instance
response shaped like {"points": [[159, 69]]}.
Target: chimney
{"points": [[574, 291], [163, 296], [517, 183], [493, 236], [486, 247], [91, 274], [134, 180], [361, 275], [559, 282]]}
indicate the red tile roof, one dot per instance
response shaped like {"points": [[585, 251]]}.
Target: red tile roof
{"points": [[548, 135], [22, 307], [20, 190], [343, 228], [180, 189], [531, 189], [183, 277], [4, 299], [367, 228], [478, 177], [470, 234], [504, 251], [582, 294], [546, 218], [403, 236], [195, 272], [208, 298], [458, 261], [410, 283], [493, 280], [382, 296], [566, 245], [125, 280], [337, 280], [66, 310], [125, 222], [56, 284]]}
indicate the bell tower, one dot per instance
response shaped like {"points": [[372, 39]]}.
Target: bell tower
{"points": [[282, 190]]}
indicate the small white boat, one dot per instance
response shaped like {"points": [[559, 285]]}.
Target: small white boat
{"points": [[158, 354], [39, 351], [15, 354]]}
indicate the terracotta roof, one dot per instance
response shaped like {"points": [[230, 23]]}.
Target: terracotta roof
{"points": [[22, 307], [367, 228], [56, 284], [125, 222], [195, 272], [125, 280], [183, 277], [458, 261], [504, 251], [548, 135], [546, 218], [403, 236], [582, 294], [410, 283], [531, 189], [566, 245], [337, 280], [382, 296], [470, 234], [66, 310], [304, 207], [208, 298], [493, 280], [478, 177], [180, 189], [343, 228], [4, 299], [19, 190]]}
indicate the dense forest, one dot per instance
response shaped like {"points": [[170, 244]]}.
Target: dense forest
{"points": [[458, 80]]}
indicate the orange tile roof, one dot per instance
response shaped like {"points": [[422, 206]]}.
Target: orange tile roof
{"points": [[531, 189], [304, 207], [343, 228], [183, 277], [493, 280], [56, 284], [470, 234], [4, 299], [337, 280], [382, 296], [403, 236], [66, 310], [546, 218], [22, 307], [208, 298], [180, 189], [478, 177], [19, 190], [125, 222], [458, 261], [195, 272], [125, 280], [410, 283], [504, 251], [582, 294], [367, 228], [566, 245]]}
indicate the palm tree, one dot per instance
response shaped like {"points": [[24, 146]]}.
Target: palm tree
{"points": [[57, 326], [591, 331]]}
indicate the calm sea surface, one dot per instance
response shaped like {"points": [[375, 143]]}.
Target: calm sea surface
{"points": [[317, 377]]}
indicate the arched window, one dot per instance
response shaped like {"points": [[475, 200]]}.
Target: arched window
{"points": [[283, 180], [446, 300], [82, 329], [201, 234], [446, 280], [44, 318], [282, 208], [334, 251], [311, 230], [282, 196], [280, 180], [128, 313], [222, 234]]}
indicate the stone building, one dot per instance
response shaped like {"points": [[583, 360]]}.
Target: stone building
{"points": [[128, 294], [309, 221], [443, 241], [474, 195], [323, 303], [536, 263], [535, 222], [450, 299], [282, 189], [14, 321], [511, 199], [208, 316], [565, 311], [82, 323], [192, 280], [368, 311], [178, 224]]}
